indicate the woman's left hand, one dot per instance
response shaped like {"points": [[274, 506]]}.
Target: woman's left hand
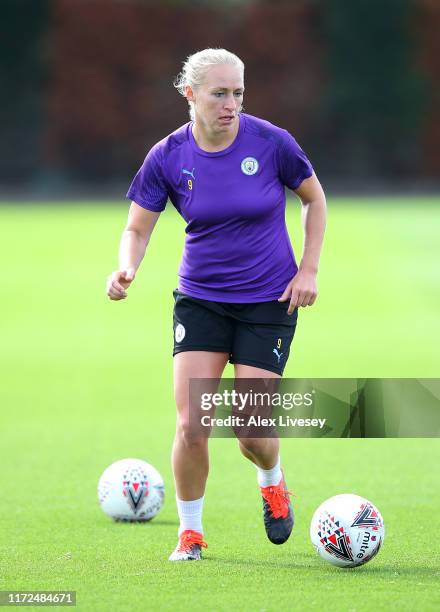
{"points": [[301, 291]]}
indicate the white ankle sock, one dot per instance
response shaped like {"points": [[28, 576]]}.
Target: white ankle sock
{"points": [[190, 514], [268, 478]]}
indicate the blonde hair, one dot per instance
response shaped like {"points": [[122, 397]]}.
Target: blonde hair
{"points": [[196, 66]]}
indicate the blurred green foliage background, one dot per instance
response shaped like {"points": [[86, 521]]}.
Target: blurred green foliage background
{"points": [[86, 85]]}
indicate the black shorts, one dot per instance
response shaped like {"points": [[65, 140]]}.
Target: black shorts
{"points": [[257, 334]]}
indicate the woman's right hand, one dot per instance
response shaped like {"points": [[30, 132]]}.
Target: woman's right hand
{"points": [[118, 282]]}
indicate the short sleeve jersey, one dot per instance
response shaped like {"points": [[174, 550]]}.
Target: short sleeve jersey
{"points": [[233, 201]]}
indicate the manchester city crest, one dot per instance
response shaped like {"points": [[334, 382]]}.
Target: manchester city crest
{"points": [[249, 166]]}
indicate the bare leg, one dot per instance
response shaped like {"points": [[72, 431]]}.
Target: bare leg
{"points": [[261, 451], [264, 453], [190, 453]]}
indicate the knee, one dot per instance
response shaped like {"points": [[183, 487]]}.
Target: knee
{"points": [[190, 434]]}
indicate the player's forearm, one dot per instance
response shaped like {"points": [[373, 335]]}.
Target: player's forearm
{"points": [[132, 249], [314, 220]]}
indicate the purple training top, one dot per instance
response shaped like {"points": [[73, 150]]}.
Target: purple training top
{"points": [[237, 248]]}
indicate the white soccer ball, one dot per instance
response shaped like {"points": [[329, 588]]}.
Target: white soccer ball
{"points": [[347, 530], [131, 490]]}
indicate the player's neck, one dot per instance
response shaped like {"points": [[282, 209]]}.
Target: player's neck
{"points": [[212, 142]]}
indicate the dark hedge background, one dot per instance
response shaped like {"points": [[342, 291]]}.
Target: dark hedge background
{"points": [[86, 85]]}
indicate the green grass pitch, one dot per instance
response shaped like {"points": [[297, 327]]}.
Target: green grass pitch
{"points": [[85, 382]]}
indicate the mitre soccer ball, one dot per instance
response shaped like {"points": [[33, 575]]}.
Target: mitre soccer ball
{"points": [[131, 490], [347, 530]]}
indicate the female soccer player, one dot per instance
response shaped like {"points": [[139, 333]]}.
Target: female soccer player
{"points": [[239, 286]]}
